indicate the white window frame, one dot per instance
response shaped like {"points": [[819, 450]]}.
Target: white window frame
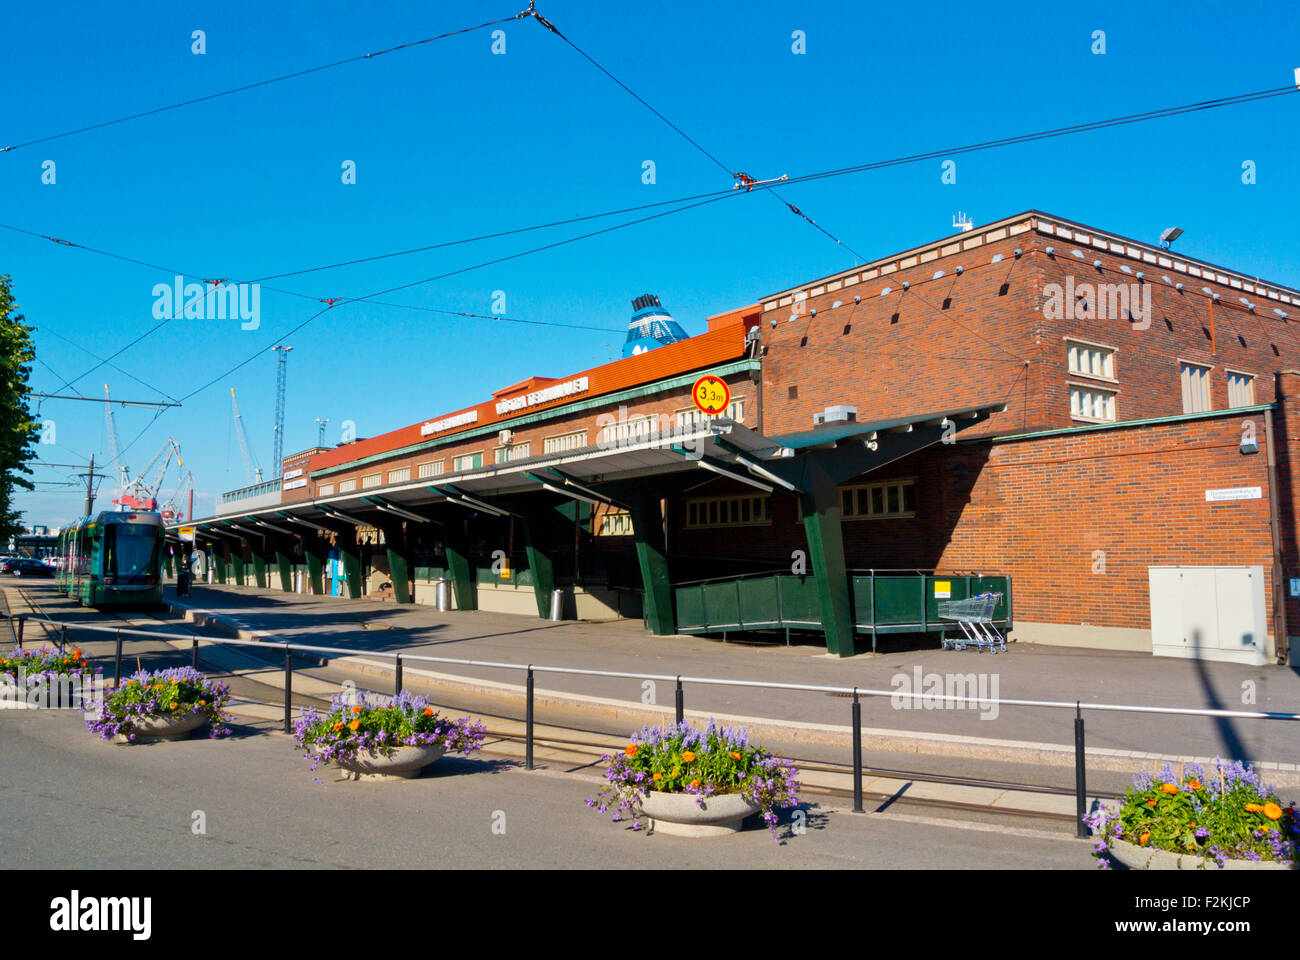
{"points": [[512, 451], [1074, 351], [347, 486], [564, 442], [372, 480], [1092, 391], [692, 418], [435, 469], [400, 475], [859, 493], [457, 465], [706, 512], [1249, 384], [325, 490], [1207, 395], [616, 523]]}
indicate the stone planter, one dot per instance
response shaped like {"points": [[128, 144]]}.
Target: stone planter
{"points": [[680, 815], [163, 728], [1145, 858], [403, 764]]}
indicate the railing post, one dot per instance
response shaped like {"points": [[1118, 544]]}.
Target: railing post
{"points": [[857, 753], [1080, 776], [528, 723], [397, 682], [22, 621], [681, 708], [63, 638], [194, 652], [117, 662], [288, 689]]}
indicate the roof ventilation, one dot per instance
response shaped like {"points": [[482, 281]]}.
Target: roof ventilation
{"points": [[836, 414]]}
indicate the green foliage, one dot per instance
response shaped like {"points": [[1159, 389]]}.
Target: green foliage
{"points": [[18, 429]]}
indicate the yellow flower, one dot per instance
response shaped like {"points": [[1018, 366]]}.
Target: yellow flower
{"points": [[658, 776], [173, 706], [1272, 810], [1254, 808], [1142, 840], [735, 755]]}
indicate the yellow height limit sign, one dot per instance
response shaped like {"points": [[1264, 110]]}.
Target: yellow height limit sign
{"points": [[711, 394]]}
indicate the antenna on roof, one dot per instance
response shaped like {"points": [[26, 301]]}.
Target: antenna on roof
{"points": [[962, 222]]}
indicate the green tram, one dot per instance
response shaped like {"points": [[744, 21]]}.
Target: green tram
{"points": [[113, 559]]}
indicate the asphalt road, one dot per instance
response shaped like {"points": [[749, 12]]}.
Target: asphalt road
{"points": [[71, 801]]}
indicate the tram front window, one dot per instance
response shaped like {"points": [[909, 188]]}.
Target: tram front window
{"points": [[130, 551]]}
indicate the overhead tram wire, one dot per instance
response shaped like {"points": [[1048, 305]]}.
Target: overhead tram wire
{"points": [[843, 171], [261, 83], [679, 131]]}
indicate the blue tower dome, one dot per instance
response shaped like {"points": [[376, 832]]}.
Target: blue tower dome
{"points": [[651, 326]]}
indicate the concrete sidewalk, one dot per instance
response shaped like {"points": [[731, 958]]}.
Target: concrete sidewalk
{"points": [[1028, 734]]}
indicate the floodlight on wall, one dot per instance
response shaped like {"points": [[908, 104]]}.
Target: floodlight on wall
{"points": [[812, 312], [1126, 268], [857, 299], [1050, 251], [937, 275], [1096, 264], [907, 284], [1280, 313], [1207, 291], [997, 258], [1017, 253], [1077, 253], [960, 270], [885, 292], [1169, 235], [1249, 306], [837, 303], [1178, 287], [1140, 275], [774, 323]]}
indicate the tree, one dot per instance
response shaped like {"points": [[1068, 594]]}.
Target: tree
{"points": [[18, 430]]}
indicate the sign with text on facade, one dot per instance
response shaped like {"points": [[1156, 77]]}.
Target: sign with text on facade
{"points": [[446, 423], [711, 394], [943, 589], [525, 400], [1295, 586], [1234, 493], [186, 534]]}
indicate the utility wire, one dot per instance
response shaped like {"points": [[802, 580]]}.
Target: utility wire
{"points": [[259, 83], [679, 131]]}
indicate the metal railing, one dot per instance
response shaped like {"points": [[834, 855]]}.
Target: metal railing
{"points": [[1080, 767]]}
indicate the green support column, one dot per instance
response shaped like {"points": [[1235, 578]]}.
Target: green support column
{"points": [[259, 547], [167, 560], [458, 565], [652, 557], [283, 561], [399, 565], [316, 550], [220, 556], [347, 547], [535, 529], [821, 523], [237, 561]]}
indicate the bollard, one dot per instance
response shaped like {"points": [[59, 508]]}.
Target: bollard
{"points": [[528, 723], [1080, 776], [288, 689], [63, 638], [857, 753], [117, 662], [22, 621], [194, 653], [397, 691], [681, 709]]}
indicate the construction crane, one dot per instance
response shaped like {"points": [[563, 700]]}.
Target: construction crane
{"points": [[121, 475], [281, 369], [252, 472], [171, 510], [139, 494], [320, 432]]}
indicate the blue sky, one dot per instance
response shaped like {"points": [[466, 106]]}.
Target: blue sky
{"points": [[450, 140]]}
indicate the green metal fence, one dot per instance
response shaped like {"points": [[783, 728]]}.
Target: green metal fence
{"points": [[884, 601]]}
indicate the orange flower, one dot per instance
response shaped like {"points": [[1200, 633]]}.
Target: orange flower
{"points": [[1142, 840], [735, 755], [1254, 808], [203, 703], [356, 709], [339, 725], [76, 653], [658, 776], [173, 705], [1151, 803], [1168, 788], [1195, 785], [630, 750], [1272, 810], [695, 783], [354, 725], [428, 711], [688, 756]]}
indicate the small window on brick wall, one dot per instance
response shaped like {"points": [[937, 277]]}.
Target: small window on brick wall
{"points": [[1090, 360], [1241, 389], [1196, 387], [432, 469], [1095, 406], [399, 476], [346, 486], [618, 524], [727, 512], [325, 490], [372, 480], [896, 498]]}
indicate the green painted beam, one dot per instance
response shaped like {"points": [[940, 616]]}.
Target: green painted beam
{"points": [[237, 562], [460, 571], [821, 522], [535, 527], [220, 557], [258, 546], [282, 545], [346, 542], [317, 553], [652, 557], [399, 559]]}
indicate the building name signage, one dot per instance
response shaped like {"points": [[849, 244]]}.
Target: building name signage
{"points": [[1234, 493], [292, 473], [446, 423], [295, 484], [524, 400]]}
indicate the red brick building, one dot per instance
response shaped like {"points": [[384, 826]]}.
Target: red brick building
{"points": [[1032, 398]]}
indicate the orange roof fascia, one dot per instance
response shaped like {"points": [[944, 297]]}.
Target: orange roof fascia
{"points": [[716, 346]]}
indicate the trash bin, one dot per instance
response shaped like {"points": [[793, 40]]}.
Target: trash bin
{"points": [[183, 582], [442, 595], [557, 605]]}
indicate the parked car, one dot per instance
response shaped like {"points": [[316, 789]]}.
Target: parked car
{"points": [[27, 567]]}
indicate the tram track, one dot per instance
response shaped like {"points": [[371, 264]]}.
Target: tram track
{"points": [[580, 748]]}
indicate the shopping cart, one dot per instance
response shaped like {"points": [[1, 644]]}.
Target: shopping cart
{"points": [[975, 618]]}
